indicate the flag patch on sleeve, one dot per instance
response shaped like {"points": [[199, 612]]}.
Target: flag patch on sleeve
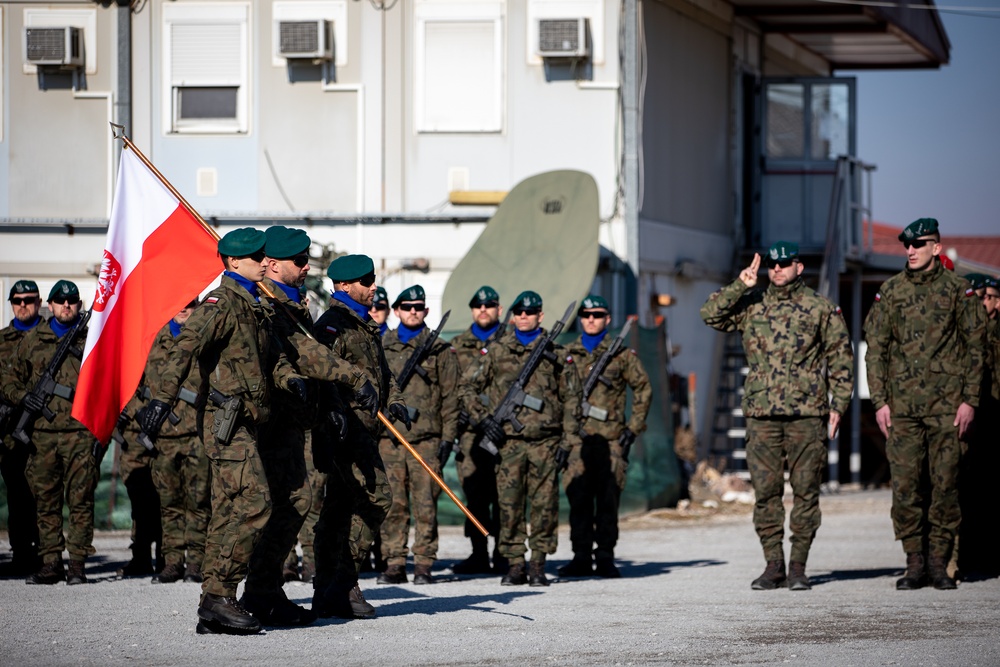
{"points": [[878, 297], [970, 292], [212, 299], [332, 329]]}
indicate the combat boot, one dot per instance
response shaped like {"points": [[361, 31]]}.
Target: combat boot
{"points": [[359, 606], [394, 574], [76, 574], [225, 615], [422, 575], [797, 579], [580, 566], [937, 570], [170, 573], [136, 568], [772, 577], [915, 576], [607, 569], [515, 576], [49, 574], [536, 574], [192, 573], [276, 610], [477, 563]]}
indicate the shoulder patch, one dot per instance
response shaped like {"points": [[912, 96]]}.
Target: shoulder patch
{"points": [[837, 310], [331, 329], [633, 352], [970, 292], [483, 350], [569, 358], [212, 299], [878, 297]]}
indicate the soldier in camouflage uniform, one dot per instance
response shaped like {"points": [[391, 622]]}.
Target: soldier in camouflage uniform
{"points": [[63, 463], [358, 494], [135, 464], [283, 437], [529, 460], [230, 335], [799, 353], [476, 467], [595, 477], [432, 397], [379, 312], [925, 336], [22, 522]]}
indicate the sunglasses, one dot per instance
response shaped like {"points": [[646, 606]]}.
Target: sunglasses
{"points": [[368, 280], [71, 300], [596, 314], [487, 304], [919, 243], [256, 257], [526, 311], [380, 306], [300, 260], [24, 300], [783, 264], [419, 307]]}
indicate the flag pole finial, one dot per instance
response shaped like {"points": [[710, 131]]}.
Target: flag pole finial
{"points": [[117, 131]]}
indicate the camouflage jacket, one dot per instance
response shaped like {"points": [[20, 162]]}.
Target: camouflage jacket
{"points": [[623, 371], [993, 347], [797, 346], [184, 410], [469, 350], [10, 338], [436, 397], [358, 342], [25, 367], [926, 337], [230, 336], [554, 382]]}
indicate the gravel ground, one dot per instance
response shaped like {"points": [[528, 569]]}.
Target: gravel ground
{"points": [[684, 599]]}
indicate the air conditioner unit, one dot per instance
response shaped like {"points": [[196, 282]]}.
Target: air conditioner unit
{"points": [[54, 47], [312, 39], [563, 38]]}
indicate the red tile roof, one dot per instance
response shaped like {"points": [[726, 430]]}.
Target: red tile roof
{"points": [[983, 251]]}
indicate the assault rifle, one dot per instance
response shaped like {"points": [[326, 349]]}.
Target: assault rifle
{"points": [[596, 376], [47, 387], [412, 366], [516, 397]]}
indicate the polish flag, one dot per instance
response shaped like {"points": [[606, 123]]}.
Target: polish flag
{"points": [[157, 258]]}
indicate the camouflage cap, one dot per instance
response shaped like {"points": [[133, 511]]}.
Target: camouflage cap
{"points": [[482, 295], [527, 299], [593, 302], [918, 228], [782, 251], [64, 288], [381, 296], [350, 267], [415, 293], [242, 242], [978, 280], [23, 287], [284, 243]]}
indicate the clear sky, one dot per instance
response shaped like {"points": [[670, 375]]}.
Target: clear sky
{"points": [[935, 134]]}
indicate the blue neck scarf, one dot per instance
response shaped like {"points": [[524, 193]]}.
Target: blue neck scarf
{"points": [[344, 298], [406, 334], [592, 341], [481, 333], [291, 292], [59, 328], [249, 285], [175, 329], [26, 326], [527, 337], [382, 328]]}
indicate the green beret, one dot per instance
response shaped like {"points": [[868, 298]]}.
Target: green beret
{"points": [[527, 299], [918, 228], [64, 288], [350, 267], [242, 242], [415, 293], [978, 280], [23, 287], [482, 295], [782, 251], [381, 296], [285, 243], [593, 302], [990, 281]]}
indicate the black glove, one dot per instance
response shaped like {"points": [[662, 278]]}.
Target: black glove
{"points": [[625, 440], [123, 422], [463, 421], [493, 431], [367, 398], [562, 459], [339, 422], [152, 416], [299, 389], [33, 402], [399, 413], [444, 452]]}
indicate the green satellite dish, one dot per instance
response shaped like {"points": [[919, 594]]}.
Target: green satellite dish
{"points": [[543, 237]]}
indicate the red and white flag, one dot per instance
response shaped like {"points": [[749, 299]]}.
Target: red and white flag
{"points": [[157, 258]]}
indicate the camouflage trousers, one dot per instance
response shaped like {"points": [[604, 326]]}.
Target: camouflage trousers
{"points": [[63, 466], [282, 450], [414, 491], [924, 455], [307, 534], [771, 443], [181, 475], [594, 481], [357, 499], [136, 464], [477, 473], [22, 519], [241, 505], [527, 476]]}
